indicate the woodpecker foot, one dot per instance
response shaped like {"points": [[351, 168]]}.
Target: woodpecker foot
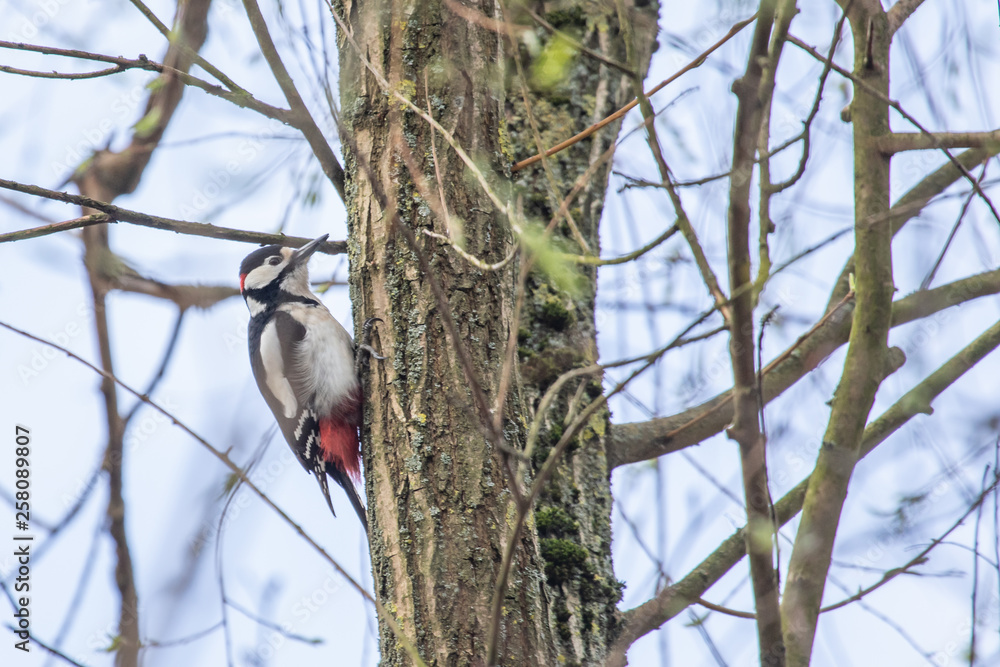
{"points": [[365, 350]]}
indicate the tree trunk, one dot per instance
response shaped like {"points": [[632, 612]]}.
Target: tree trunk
{"points": [[436, 487], [558, 332], [440, 505]]}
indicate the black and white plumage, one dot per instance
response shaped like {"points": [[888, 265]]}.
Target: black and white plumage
{"points": [[304, 364]]}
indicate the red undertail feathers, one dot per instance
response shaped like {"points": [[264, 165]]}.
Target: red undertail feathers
{"points": [[340, 445]]}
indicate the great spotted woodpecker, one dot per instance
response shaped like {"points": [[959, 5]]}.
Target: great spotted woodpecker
{"points": [[306, 366]]}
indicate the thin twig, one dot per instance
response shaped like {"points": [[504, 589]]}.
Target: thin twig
{"points": [[56, 227], [622, 259], [237, 96], [683, 221], [118, 214], [180, 641], [975, 568], [901, 11], [188, 51], [50, 649], [469, 257], [75, 604], [935, 139], [929, 278], [67, 76], [674, 599], [271, 625], [555, 454], [384, 614], [167, 355], [806, 134], [921, 557], [300, 112], [632, 442], [762, 63], [698, 60]]}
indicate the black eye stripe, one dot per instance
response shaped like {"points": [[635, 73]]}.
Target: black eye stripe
{"points": [[259, 257]]}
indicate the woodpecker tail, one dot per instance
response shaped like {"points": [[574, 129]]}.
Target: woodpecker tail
{"points": [[338, 439], [348, 486], [320, 474], [352, 494], [341, 449]]}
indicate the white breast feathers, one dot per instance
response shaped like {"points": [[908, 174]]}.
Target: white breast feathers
{"points": [[324, 361]]}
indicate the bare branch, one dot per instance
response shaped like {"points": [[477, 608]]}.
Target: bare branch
{"points": [[674, 599], [127, 654], [117, 214], [55, 227], [186, 49], [639, 441], [622, 259], [69, 76], [384, 614], [806, 134], [897, 142], [753, 93], [631, 105], [869, 360], [45, 646], [901, 11], [921, 557], [184, 296], [300, 112], [861, 84], [913, 202], [237, 96], [167, 356], [683, 221]]}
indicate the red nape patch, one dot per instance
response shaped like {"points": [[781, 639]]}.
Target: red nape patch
{"points": [[340, 445], [243, 277]]}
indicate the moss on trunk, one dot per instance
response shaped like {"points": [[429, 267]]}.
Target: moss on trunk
{"points": [[440, 510]]}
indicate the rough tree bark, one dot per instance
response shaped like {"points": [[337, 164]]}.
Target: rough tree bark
{"points": [[557, 331], [439, 500]]}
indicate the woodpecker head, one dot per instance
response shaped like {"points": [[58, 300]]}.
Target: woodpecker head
{"points": [[275, 273]]}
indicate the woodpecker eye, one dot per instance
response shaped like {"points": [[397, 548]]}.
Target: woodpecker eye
{"points": [[274, 261]]}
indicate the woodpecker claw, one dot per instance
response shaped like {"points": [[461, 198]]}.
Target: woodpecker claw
{"points": [[366, 329], [364, 345], [371, 352]]}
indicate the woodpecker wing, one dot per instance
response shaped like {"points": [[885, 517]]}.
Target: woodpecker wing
{"points": [[291, 400], [292, 408]]}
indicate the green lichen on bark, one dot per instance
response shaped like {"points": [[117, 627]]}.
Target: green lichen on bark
{"points": [[440, 504], [435, 485], [557, 331]]}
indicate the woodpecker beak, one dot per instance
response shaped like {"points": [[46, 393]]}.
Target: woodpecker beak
{"points": [[302, 255]]}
